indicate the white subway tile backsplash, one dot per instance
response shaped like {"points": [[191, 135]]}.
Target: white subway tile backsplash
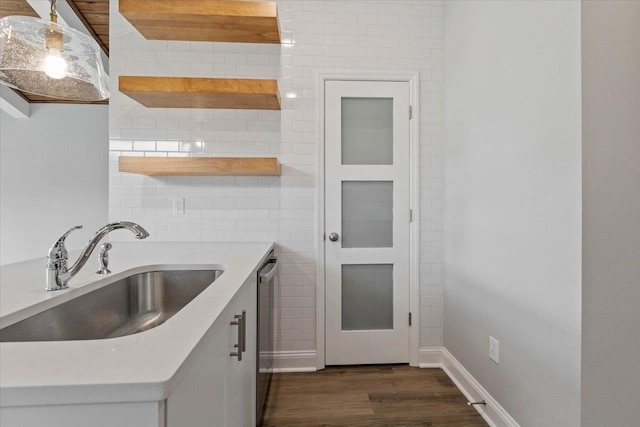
{"points": [[377, 34], [119, 145]]}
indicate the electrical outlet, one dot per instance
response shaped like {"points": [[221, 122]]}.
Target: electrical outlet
{"points": [[178, 205], [494, 350]]}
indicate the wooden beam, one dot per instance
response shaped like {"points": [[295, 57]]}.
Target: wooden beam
{"points": [[190, 92], [17, 7], [204, 20], [90, 28], [199, 166]]}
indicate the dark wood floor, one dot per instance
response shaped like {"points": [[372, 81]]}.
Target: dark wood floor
{"points": [[384, 395]]}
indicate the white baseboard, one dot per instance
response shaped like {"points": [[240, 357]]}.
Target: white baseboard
{"points": [[294, 361], [493, 413], [430, 357]]}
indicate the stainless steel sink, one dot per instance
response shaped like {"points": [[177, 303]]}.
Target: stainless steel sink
{"points": [[130, 305]]}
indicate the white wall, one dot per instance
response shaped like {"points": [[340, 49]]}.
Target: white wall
{"points": [[513, 200], [366, 35], [611, 213], [54, 175]]}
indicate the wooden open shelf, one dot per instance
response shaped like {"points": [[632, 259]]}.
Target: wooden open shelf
{"points": [[195, 92], [204, 20], [199, 166]]}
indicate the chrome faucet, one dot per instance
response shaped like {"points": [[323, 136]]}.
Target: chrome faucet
{"points": [[58, 274]]}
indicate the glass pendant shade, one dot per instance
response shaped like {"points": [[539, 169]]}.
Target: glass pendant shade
{"points": [[49, 59]]}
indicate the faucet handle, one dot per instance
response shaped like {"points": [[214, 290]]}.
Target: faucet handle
{"points": [[58, 251]]}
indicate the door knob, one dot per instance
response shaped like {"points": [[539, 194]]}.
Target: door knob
{"points": [[333, 237]]}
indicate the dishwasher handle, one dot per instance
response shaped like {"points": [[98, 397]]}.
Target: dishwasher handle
{"points": [[265, 277]]}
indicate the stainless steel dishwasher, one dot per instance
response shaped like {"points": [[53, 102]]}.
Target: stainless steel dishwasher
{"points": [[266, 332]]}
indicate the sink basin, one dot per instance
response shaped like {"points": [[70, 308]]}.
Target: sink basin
{"points": [[130, 305]]}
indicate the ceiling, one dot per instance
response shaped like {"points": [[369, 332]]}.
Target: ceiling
{"points": [[94, 14], [16, 7]]}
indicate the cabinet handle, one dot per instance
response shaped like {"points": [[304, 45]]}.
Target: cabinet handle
{"points": [[239, 322], [244, 330]]}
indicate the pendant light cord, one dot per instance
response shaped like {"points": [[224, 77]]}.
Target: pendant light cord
{"points": [[53, 14]]}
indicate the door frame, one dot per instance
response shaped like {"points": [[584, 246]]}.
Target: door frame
{"points": [[413, 78]]}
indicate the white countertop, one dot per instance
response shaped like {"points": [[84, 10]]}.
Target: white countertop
{"points": [[134, 368]]}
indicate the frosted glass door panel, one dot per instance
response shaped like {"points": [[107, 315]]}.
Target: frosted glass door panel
{"points": [[367, 131], [367, 214], [367, 297]]}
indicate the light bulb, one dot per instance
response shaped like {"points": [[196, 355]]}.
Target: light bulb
{"points": [[54, 65]]}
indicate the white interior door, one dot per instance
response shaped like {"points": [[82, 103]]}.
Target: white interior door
{"points": [[367, 219]]}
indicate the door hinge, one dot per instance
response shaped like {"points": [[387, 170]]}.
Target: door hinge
{"points": [[410, 215], [409, 318], [410, 112]]}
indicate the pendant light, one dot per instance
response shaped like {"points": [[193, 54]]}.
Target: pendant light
{"points": [[50, 59]]}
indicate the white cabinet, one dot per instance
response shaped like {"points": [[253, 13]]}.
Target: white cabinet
{"points": [[241, 378], [138, 414], [201, 396], [218, 389]]}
